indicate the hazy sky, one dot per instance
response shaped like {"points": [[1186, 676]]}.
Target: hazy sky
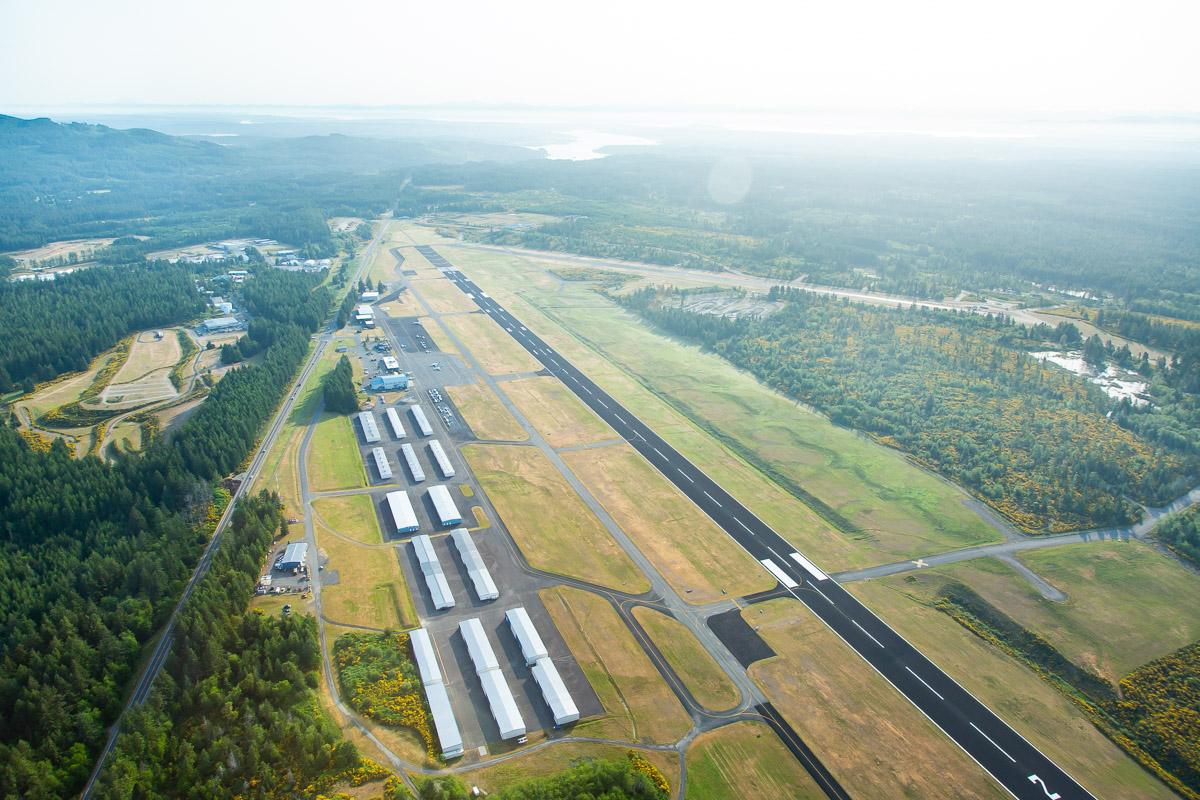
{"points": [[1048, 55]]}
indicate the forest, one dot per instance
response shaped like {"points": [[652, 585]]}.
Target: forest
{"points": [[959, 394], [338, 390], [48, 328], [1181, 533]]}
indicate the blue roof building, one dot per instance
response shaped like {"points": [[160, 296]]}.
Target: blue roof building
{"points": [[388, 383]]}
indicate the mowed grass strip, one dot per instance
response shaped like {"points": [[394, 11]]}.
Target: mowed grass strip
{"points": [[549, 521], [351, 515], [496, 351], [443, 296], [869, 737], [556, 412], [559, 757], [745, 759], [698, 558], [484, 412], [333, 457], [639, 704], [707, 682], [371, 591]]}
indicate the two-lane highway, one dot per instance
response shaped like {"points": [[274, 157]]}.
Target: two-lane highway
{"points": [[1016, 764]]}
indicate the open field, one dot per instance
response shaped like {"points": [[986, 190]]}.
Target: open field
{"points": [[1036, 710], [887, 506], [638, 703], [1123, 601], [559, 757], [558, 415], [333, 458], [383, 267], [483, 411], [126, 436], [149, 354], [492, 347], [371, 590], [695, 556], [82, 248], [64, 390], [438, 336], [443, 296], [868, 736], [405, 305], [351, 515], [745, 759], [550, 523], [709, 685]]}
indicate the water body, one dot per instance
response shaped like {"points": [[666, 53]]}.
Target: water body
{"points": [[1116, 383], [586, 145]]}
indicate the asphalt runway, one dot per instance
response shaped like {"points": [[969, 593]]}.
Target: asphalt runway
{"points": [[1022, 769]]}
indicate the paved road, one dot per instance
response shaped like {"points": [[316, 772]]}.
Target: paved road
{"points": [[141, 689], [1016, 764]]}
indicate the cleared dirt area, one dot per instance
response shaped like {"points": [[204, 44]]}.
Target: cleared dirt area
{"points": [[558, 415], [149, 352], [484, 412], [695, 556], [370, 591], [872, 739], [443, 296], [745, 759], [709, 685], [550, 523], [492, 347], [82, 248], [639, 704]]}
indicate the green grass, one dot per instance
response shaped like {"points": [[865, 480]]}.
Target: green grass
{"points": [[333, 458], [695, 667], [351, 515], [745, 759], [371, 590]]}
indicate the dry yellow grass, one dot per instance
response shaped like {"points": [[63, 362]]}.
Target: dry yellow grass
{"points": [[483, 411], [405, 305], [872, 739], [745, 759], [709, 685], [371, 590], [558, 415], [550, 523], [149, 354], [492, 347], [695, 556], [637, 701], [351, 515], [440, 338], [443, 296], [559, 757]]}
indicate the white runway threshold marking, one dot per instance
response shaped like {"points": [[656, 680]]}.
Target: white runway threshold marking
{"points": [[809, 567], [779, 574], [922, 680], [868, 633], [993, 741]]}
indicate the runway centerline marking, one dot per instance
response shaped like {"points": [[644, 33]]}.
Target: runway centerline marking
{"points": [[715, 500], [869, 636], [993, 741], [922, 680]]}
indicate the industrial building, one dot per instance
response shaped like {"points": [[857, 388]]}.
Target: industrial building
{"points": [[443, 503], [381, 463], [444, 723], [388, 383], [537, 658], [364, 315], [443, 462], [393, 419], [369, 297], [414, 466], [389, 364], [420, 421], [293, 557], [481, 578], [435, 579], [218, 324], [370, 430], [403, 516], [499, 696]]}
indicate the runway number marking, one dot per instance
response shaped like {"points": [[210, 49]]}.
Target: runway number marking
{"points": [[1046, 789], [868, 633], [993, 741], [927, 686]]}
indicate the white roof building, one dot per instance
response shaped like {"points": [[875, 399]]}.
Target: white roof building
{"points": [[442, 460], [420, 421], [370, 430], [219, 324], [495, 687], [443, 503], [527, 636], [414, 466], [390, 363], [381, 463], [393, 419], [368, 297], [481, 578], [435, 579], [554, 692], [403, 516], [444, 723]]}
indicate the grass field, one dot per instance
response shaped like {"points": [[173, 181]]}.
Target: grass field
{"points": [[709, 685], [639, 705], [126, 436], [383, 267], [556, 412], [1122, 606], [484, 412], [745, 759], [695, 556], [333, 458], [1036, 710], [868, 736], [371, 590], [560, 757], [405, 305], [438, 336], [66, 390], [492, 347], [443, 296], [550, 523], [148, 354], [351, 515], [892, 509]]}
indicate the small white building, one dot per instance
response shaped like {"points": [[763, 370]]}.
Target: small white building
{"points": [[403, 516], [414, 466], [421, 421], [443, 504], [370, 430], [481, 578], [393, 419], [381, 463], [435, 579]]}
